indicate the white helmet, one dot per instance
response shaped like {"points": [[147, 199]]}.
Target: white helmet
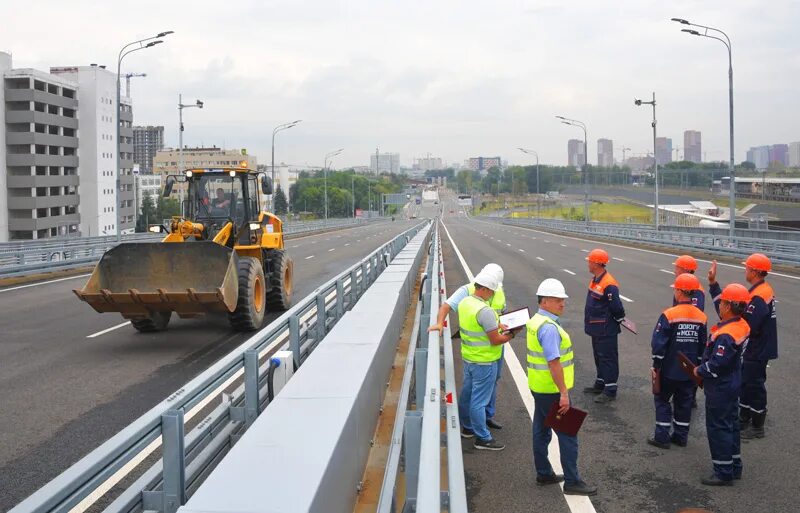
{"points": [[495, 270], [551, 287], [487, 279]]}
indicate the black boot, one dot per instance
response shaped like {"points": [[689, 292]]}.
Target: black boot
{"points": [[756, 428], [744, 418]]}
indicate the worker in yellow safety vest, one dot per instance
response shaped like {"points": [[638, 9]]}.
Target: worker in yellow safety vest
{"points": [[551, 375]]}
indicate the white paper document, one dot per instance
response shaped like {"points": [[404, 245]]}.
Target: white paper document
{"points": [[516, 318]]}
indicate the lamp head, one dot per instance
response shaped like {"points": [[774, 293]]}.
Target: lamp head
{"points": [[681, 21], [690, 31], [199, 103], [637, 102], [153, 43], [165, 33]]}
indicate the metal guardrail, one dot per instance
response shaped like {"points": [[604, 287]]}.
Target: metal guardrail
{"points": [[237, 381], [417, 432], [20, 258], [780, 251]]}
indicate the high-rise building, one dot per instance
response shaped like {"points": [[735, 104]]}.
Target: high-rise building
{"points": [[98, 151], [663, 150], [794, 154], [38, 154], [385, 163], [147, 140], [779, 153], [759, 156], [692, 147], [605, 153], [483, 163], [429, 163], [575, 153], [167, 161]]}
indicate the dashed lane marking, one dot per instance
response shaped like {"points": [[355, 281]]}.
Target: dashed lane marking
{"points": [[522, 251], [576, 503], [507, 244], [309, 257], [332, 249], [112, 328], [618, 259], [347, 244], [44, 282], [668, 272], [585, 250], [629, 300], [540, 258], [568, 271]]}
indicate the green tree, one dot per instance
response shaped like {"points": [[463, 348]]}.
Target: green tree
{"points": [[281, 205], [147, 215], [166, 208]]}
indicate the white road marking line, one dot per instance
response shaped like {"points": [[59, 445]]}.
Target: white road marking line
{"points": [[507, 244], [546, 240], [568, 271], [585, 250], [629, 300], [522, 251], [292, 247], [576, 503], [618, 259], [44, 282], [359, 240], [332, 249], [563, 245], [540, 258], [112, 328], [668, 272], [347, 244], [309, 257]]}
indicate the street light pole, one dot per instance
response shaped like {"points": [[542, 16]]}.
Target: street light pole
{"points": [[638, 102], [582, 125], [150, 42], [277, 129], [727, 42], [325, 173], [199, 104], [531, 152]]}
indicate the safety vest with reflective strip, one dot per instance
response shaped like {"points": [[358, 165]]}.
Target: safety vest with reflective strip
{"points": [[539, 378], [475, 344], [498, 302]]}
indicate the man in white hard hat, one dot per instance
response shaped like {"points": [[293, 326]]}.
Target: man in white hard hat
{"points": [[498, 304], [551, 375], [482, 337]]}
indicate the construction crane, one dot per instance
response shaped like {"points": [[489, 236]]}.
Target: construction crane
{"points": [[128, 77]]}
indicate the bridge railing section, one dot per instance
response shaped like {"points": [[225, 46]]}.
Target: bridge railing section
{"points": [[159, 460], [417, 438], [20, 258], [780, 251]]}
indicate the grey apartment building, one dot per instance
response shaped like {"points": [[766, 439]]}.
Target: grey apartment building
{"points": [[147, 140], [38, 154]]}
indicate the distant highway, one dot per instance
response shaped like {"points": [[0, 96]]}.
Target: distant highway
{"points": [[631, 475], [71, 378]]}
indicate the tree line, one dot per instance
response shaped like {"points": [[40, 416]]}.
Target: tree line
{"points": [[308, 193]]}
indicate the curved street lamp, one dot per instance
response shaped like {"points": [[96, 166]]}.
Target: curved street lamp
{"points": [[709, 33], [277, 129], [325, 173], [150, 42], [582, 125]]}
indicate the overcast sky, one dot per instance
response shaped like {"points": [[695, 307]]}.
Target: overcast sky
{"points": [[451, 77]]}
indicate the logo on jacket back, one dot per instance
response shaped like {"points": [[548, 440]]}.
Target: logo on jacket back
{"points": [[720, 350]]}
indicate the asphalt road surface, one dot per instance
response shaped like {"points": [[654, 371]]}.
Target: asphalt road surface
{"points": [[631, 475], [71, 378]]}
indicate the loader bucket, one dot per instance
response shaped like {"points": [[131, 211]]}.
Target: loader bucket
{"points": [[189, 278]]}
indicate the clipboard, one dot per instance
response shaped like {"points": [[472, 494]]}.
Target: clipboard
{"points": [[516, 318], [629, 325], [688, 367], [569, 423]]}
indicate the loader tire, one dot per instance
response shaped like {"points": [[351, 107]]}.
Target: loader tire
{"points": [[281, 279], [251, 302], [156, 321]]}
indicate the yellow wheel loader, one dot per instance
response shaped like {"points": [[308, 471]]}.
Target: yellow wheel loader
{"points": [[223, 254]]}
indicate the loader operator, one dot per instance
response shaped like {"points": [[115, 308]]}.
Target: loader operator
{"points": [[220, 201]]}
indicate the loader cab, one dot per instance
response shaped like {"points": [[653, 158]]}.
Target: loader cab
{"points": [[216, 196]]}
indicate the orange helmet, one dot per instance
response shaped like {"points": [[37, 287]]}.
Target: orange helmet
{"points": [[736, 293], [759, 262], [686, 262], [686, 281], [598, 256]]}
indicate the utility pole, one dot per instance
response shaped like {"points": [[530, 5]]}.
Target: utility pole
{"points": [[638, 102]]}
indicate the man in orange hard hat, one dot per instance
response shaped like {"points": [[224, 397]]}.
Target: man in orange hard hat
{"points": [[681, 328], [721, 372], [763, 344], [687, 264], [602, 314]]}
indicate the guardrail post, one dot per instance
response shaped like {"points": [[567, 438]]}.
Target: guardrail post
{"points": [[353, 288], [294, 338], [364, 277], [339, 298], [322, 318], [174, 461], [412, 441], [251, 399]]}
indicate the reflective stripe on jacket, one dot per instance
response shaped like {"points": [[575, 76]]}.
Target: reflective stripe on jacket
{"points": [[475, 344], [539, 378]]}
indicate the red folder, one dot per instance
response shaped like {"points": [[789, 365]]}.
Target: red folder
{"points": [[569, 423], [688, 367], [629, 325]]}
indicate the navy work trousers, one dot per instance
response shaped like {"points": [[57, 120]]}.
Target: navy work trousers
{"points": [[722, 429], [673, 410], [753, 400], [606, 361]]}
